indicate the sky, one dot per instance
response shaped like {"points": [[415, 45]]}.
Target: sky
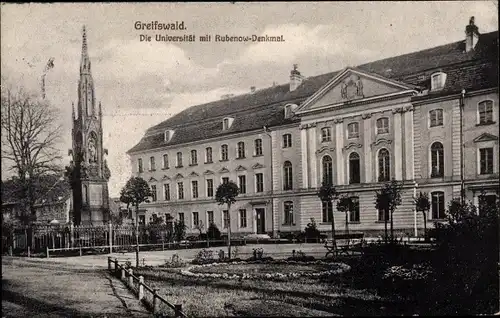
{"points": [[143, 83]]}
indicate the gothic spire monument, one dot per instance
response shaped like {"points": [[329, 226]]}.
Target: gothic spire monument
{"points": [[90, 170]]}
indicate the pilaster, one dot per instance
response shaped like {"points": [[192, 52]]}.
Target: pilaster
{"points": [[339, 133], [368, 131]]}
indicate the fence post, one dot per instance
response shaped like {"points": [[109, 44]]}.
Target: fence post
{"points": [[110, 237], [130, 278], [141, 287], [29, 252], [116, 265], [10, 250], [109, 264], [178, 309], [71, 234], [47, 248], [155, 292], [81, 250], [123, 273]]}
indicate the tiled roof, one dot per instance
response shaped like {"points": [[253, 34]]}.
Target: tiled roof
{"points": [[472, 70]]}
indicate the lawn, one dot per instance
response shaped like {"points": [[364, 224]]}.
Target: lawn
{"points": [[301, 296]]}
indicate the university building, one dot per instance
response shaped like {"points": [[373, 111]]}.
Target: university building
{"points": [[428, 118]]}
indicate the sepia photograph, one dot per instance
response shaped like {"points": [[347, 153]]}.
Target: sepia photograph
{"points": [[250, 159]]}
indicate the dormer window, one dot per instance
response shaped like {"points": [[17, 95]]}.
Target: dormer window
{"points": [[167, 135], [226, 123], [437, 81], [289, 109]]}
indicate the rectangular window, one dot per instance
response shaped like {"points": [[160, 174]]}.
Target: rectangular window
{"points": [[326, 134], [327, 208], [287, 140], [353, 130], [241, 150], [381, 215], [166, 191], [243, 218], [180, 190], [142, 219], [242, 180], [258, 147], [223, 153], [165, 161], [485, 110], [486, 160], [196, 219], [210, 217], [139, 165], [354, 214], [437, 205], [179, 159], [181, 217], [152, 164], [225, 180], [382, 125], [208, 155], [194, 157], [259, 182], [225, 217], [288, 213], [436, 117], [153, 193], [194, 188], [210, 187]]}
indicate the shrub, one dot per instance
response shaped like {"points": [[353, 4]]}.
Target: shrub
{"points": [[213, 232], [203, 257], [175, 262], [311, 231]]}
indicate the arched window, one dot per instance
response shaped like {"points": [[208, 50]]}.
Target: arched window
{"points": [[241, 149], [194, 157], [354, 171], [437, 160], [384, 165], [327, 170], [287, 176], [437, 205], [223, 152], [288, 213]]}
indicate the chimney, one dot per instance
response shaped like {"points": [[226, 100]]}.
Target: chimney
{"points": [[252, 89], [295, 78], [471, 35]]}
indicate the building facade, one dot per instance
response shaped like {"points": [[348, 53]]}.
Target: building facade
{"points": [[402, 118]]}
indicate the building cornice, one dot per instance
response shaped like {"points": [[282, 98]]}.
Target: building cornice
{"points": [[452, 96]]}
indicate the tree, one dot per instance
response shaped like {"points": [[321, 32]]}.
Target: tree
{"points": [[179, 230], [346, 204], [422, 204], [226, 194], [328, 193], [135, 192], [387, 199], [30, 135]]}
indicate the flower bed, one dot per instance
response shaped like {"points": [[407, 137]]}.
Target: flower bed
{"points": [[201, 271]]}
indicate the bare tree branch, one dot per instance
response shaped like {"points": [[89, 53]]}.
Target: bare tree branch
{"points": [[30, 134]]}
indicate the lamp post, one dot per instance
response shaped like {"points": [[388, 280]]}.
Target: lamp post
{"points": [[415, 208]]}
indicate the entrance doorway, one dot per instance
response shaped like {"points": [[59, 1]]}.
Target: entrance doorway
{"points": [[261, 220]]}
